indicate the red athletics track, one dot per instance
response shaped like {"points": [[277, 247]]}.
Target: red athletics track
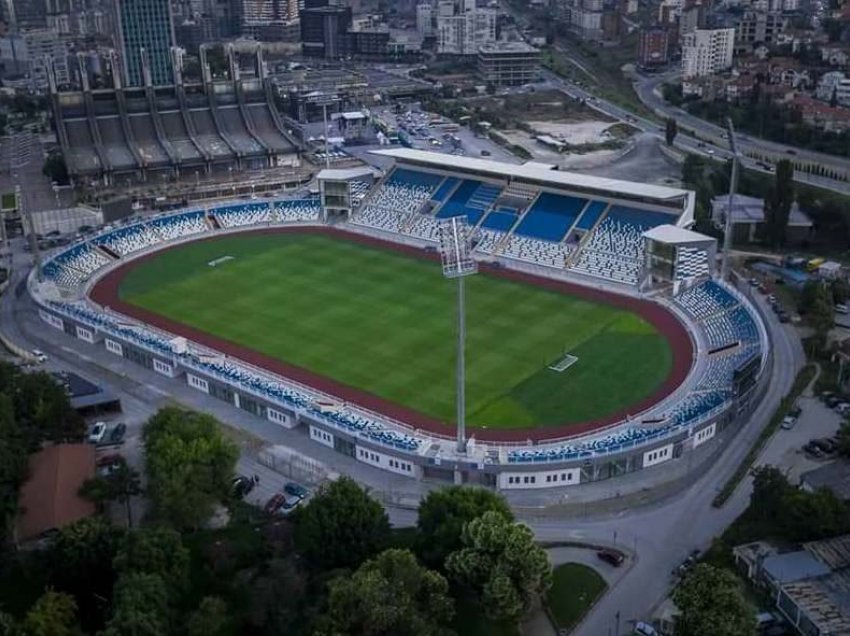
{"points": [[105, 293]]}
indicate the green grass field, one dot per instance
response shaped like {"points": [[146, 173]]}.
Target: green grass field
{"points": [[384, 322], [575, 588]]}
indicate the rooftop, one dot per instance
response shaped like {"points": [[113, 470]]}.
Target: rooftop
{"points": [[49, 499], [605, 187], [793, 566], [507, 47], [676, 235], [751, 210]]}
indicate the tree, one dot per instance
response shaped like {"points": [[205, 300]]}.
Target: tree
{"points": [[711, 602], [389, 595], [210, 619], [278, 597], [158, 551], [777, 203], [121, 485], [189, 464], [55, 169], [816, 303], [140, 607], [444, 513], [81, 564], [13, 464], [341, 526], [671, 129], [53, 614], [501, 563]]}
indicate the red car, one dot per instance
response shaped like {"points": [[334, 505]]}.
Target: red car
{"points": [[611, 556], [275, 503]]}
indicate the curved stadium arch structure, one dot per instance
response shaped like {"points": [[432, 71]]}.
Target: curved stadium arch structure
{"points": [[590, 238]]}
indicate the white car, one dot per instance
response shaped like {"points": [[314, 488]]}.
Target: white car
{"points": [[98, 431], [788, 422], [39, 355]]}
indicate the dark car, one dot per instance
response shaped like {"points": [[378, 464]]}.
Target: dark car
{"points": [[274, 504], [116, 435], [241, 486], [832, 401], [611, 556], [826, 445], [295, 490]]}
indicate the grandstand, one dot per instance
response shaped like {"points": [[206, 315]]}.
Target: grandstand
{"points": [[139, 132], [627, 236]]}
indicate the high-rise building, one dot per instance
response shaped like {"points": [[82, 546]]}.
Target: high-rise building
{"points": [[323, 31], [463, 28], [25, 14], [653, 47], [707, 51], [146, 24]]}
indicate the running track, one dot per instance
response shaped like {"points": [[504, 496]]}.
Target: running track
{"points": [[105, 293]]}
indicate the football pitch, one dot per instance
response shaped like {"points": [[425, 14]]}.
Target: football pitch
{"points": [[384, 322]]}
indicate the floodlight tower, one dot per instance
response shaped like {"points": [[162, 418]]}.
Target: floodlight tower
{"points": [[455, 248], [730, 204]]}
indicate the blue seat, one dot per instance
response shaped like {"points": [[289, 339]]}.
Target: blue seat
{"points": [[550, 217]]}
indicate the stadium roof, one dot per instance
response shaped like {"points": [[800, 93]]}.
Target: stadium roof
{"points": [[676, 235], [531, 172]]}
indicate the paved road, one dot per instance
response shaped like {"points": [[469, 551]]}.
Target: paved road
{"points": [[648, 90], [709, 141], [661, 535]]}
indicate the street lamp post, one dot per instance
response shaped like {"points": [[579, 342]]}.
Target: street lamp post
{"points": [[458, 263]]}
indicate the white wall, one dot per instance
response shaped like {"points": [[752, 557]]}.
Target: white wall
{"points": [[705, 434], [84, 333], [540, 479], [113, 346], [197, 383], [658, 456], [322, 436], [163, 368], [387, 462], [279, 417]]}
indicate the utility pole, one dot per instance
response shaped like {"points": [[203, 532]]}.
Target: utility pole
{"points": [[730, 206]]}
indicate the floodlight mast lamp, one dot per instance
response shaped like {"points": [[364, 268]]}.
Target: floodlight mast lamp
{"points": [[457, 263], [730, 204]]}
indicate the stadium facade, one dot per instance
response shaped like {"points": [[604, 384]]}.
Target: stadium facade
{"points": [[151, 132], [625, 239]]}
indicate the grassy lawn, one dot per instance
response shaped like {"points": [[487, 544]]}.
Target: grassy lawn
{"points": [[575, 588], [384, 322]]}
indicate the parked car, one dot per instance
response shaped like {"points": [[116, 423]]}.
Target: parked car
{"points": [[295, 490], [788, 422], [39, 355], [97, 432], [241, 486], [108, 464], [813, 451], [274, 504], [824, 444], [611, 556], [645, 629], [116, 435], [289, 505], [832, 401]]}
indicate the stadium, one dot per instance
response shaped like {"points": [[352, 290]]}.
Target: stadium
{"points": [[599, 340]]}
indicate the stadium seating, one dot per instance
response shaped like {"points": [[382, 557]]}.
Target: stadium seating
{"points": [[725, 321], [535, 251], [403, 193], [72, 267], [501, 219], [127, 240], [615, 249], [591, 215], [178, 225], [487, 240], [298, 209], [551, 217], [445, 188], [424, 226], [243, 214], [472, 198], [359, 190]]}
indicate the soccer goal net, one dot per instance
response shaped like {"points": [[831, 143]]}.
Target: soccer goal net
{"points": [[564, 363]]}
